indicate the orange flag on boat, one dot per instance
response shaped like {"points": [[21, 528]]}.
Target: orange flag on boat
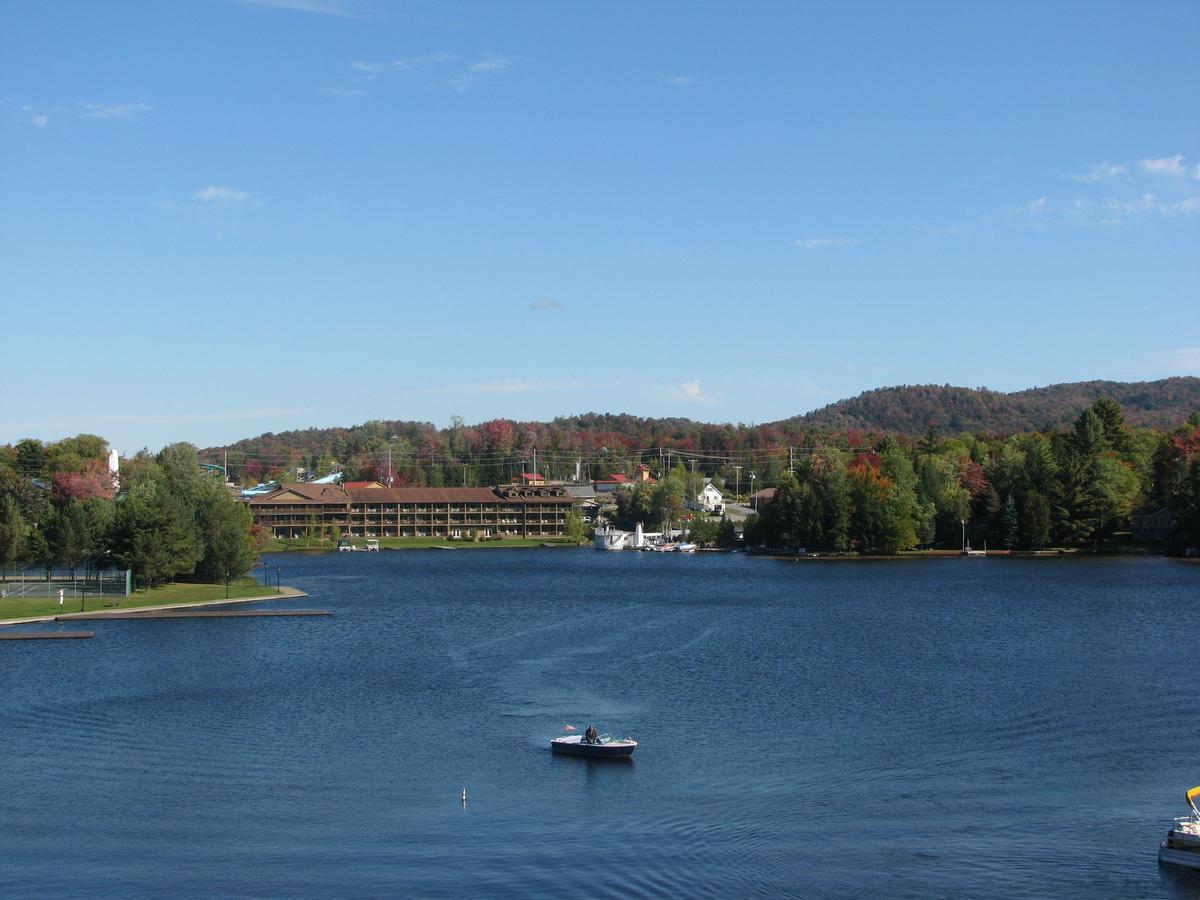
{"points": [[567, 727]]}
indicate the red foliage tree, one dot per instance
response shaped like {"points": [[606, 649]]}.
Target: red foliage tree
{"points": [[95, 481], [497, 434]]}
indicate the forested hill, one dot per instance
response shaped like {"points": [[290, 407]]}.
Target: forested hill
{"points": [[913, 409]]}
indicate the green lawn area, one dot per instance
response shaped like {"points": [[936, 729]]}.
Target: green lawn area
{"points": [[416, 544], [22, 607]]}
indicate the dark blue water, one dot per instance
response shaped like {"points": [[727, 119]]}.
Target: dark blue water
{"points": [[899, 728]]}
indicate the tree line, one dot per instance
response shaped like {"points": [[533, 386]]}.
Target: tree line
{"points": [[833, 491], [1071, 488], [60, 506], [418, 453]]}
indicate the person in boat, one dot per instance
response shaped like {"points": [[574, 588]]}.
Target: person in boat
{"points": [[590, 736]]}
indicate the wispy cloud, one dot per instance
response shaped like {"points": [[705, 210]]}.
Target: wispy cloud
{"points": [[689, 392], [1037, 207], [343, 92], [373, 69], [1102, 171], [490, 65], [822, 243], [478, 70], [679, 80], [221, 196], [1170, 166], [544, 303], [1105, 211], [114, 110], [463, 75], [1171, 177], [345, 9], [33, 115]]}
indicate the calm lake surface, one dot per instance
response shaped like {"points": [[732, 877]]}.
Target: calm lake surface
{"points": [[952, 727]]}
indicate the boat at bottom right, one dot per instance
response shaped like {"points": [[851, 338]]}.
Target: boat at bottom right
{"points": [[1181, 846]]}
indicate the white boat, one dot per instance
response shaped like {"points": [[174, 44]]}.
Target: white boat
{"points": [[1181, 846], [604, 746], [686, 547], [609, 538]]}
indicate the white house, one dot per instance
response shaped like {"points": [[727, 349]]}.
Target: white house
{"points": [[710, 500]]}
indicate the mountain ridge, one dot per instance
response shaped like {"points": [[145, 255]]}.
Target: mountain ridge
{"points": [[914, 409], [903, 410]]}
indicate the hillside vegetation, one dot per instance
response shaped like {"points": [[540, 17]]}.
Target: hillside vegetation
{"points": [[914, 409]]}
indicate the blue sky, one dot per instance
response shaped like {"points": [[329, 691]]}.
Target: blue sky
{"points": [[225, 217]]}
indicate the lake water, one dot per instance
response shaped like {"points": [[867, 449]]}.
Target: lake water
{"points": [[952, 727]]}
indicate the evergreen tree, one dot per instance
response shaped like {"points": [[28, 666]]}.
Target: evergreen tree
{"points": [[726, 534], [155, 535], [1009, 525], [1112, 421], [13, 531], [1035, 522], [225, 526]]}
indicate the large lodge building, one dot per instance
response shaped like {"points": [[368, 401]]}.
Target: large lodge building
{"points": [[374, 511]]}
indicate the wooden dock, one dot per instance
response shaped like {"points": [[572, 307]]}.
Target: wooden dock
{"points": [[190, 614], [45, 635]]}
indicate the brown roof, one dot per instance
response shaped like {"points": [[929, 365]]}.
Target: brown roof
{"points": [[319, 493], [423, 495], [333, 493]]}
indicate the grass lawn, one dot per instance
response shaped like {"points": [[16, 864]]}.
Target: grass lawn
{"points": [[416, 544], [22, 607]]}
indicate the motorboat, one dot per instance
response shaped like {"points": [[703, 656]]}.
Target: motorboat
{"points": [[604, 747], [609, 538], [1181, 846]]}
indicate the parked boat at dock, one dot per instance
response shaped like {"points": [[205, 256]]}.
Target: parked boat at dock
{"points": [[609, 538]]}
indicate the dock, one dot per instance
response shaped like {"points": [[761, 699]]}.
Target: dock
{"points": [[45, 635], [190, 614]]}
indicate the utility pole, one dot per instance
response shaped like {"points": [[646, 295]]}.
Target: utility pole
{"points": [[791, 461], [737, 482]]}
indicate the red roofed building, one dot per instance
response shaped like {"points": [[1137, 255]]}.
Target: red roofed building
{"points": [[611, 483]]}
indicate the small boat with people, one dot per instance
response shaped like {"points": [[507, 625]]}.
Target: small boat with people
{"points": [[1181, 846], [593, 744]]}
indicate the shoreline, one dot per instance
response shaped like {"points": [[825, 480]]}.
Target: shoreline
{"points": [[285, 593]]}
